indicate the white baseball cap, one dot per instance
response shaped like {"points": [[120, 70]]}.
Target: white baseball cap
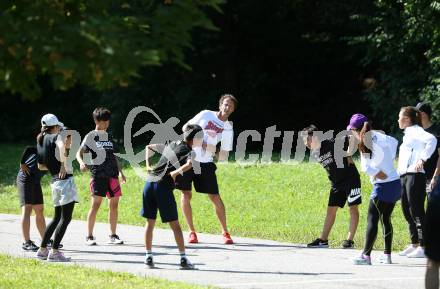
{"points": [[50, 120]]}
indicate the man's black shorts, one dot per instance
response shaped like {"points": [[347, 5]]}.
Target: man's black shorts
{"points": [[204, 182], [349, 192]]}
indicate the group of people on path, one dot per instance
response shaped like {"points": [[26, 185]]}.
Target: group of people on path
{"points": [[174, 169], [190, 161], [417, 176]]}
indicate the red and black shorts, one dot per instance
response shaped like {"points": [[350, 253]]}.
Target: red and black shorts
{"points": [[105, 187]]}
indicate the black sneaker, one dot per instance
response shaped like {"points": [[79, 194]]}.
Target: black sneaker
{"points": [[29, 246], [149, 262], [318, 243], [185, 264], [348, 244], [91, 241], [50, 243], [114, 240]]}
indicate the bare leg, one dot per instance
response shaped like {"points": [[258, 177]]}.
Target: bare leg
{"points": [[432, 275], [328, 223], [219, 210], [354, 221], [113, 204], [186, 209], [178, 236], [39, 219], [149, 227], [26, 211], [91, 217]]}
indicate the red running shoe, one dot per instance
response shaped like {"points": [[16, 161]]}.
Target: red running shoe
{"points": [[227, 238], [193, 238]]}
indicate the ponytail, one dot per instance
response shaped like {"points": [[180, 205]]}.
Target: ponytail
{"points": [[366, 142], [413, 114]]}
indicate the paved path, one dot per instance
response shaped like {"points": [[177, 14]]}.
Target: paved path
{"points": [[250, 263]]}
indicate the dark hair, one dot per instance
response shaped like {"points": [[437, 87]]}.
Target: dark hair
{"points": [[413, 114], [425, 107], [101, 114], [43, 132], [366, 143], [192, 131], [228, 96], [309, 130]]}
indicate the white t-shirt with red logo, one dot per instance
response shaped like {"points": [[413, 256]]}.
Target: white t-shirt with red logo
{"points": [[215, 131]]}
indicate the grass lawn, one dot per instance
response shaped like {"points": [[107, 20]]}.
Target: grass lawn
{"points": [[277, 201], [18, 273]]}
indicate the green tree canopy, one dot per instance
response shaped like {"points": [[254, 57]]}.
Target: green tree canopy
{"points": [[402, 43], [97, 43]]}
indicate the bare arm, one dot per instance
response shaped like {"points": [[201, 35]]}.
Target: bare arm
{"points": [[181, 170], [222, 155], [62, 149], [121, 173], [80, 159], [149, 152]]}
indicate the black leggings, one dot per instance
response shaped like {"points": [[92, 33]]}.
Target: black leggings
{"points": [[413, 204], [379, 211], [62, 218]]}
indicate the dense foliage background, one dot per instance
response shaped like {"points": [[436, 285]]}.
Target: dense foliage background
{"points": [[289, 62]]}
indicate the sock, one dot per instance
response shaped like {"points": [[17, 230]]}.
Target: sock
{"points": [[149, 253], [182, 255]]}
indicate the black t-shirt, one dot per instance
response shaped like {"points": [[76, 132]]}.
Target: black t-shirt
{"points": [[102, 148], [339, 177], [47, 155], [431, 163], [30, 159], [174, 155]]}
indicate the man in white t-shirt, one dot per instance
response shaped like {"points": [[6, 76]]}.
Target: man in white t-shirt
{"points": [[217, 129]]}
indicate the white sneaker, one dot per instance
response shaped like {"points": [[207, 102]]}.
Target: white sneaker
{"points": [[362, 260], [385, 259], [408, 250], [91, 241], [114, 240], [418, 253]]}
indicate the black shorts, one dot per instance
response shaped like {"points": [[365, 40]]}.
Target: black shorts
{"points": [[205, 182], [349, 193], [29, 193], [159, 196]]}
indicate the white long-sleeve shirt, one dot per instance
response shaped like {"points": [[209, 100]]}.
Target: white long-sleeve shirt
{"points": [[382, 158], [417, 145]]}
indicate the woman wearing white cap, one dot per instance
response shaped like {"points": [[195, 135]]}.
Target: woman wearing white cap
{"points": [[378, 152], [52, 149]]}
